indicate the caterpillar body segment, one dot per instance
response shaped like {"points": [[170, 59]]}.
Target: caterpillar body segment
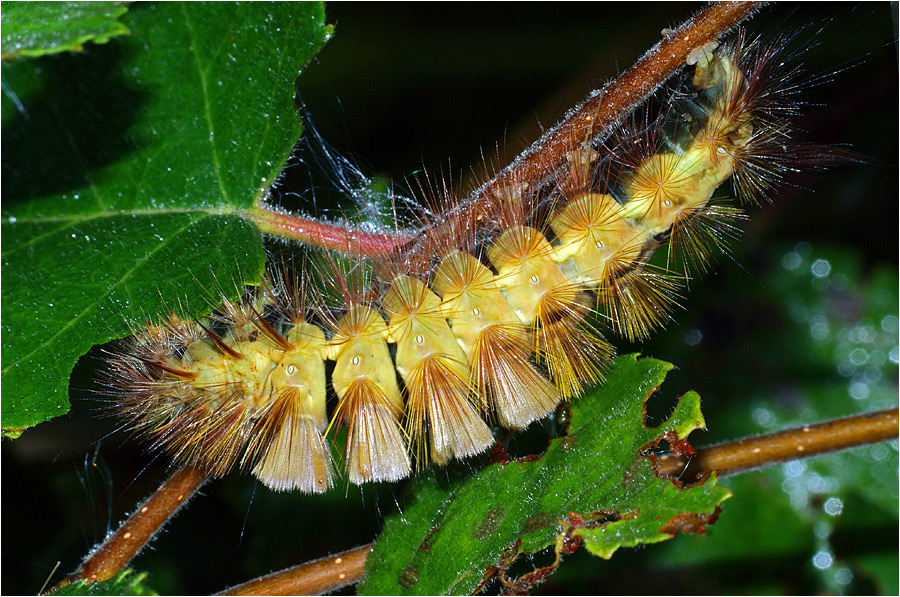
{"points": [[495, 341], [297, 457], [440, 391], [369, 399], [487, 318], [600, 249]]}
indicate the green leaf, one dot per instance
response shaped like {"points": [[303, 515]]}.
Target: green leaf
{"points": [[594, 485], [126, 582], [38, 28], [135, 165]]}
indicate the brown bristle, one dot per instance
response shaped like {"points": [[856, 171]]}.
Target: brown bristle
{"points": [[575, 355], [507, 380], [295, 455], [638, 297], [270, 332], [700, 232], [375, 449], [439, 400], [177, 372], [220, 343]]}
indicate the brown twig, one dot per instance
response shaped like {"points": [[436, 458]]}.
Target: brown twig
{"points": [[746, 454], [319, 576], [603, 110], [339, 570], [114, 554]]}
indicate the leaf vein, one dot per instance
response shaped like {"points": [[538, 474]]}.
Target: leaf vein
{"points": [[125, 276], [206, 105]]}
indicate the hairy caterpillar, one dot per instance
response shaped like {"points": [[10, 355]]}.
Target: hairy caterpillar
{"points": [[488, 309], [862, 218]]}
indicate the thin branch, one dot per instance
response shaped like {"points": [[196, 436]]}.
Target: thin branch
{"points": [[766, 450], [603, 110], [319, 576], [334, 572], [344, 238], [114, 554]]}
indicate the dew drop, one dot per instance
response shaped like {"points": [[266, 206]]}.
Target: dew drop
{"points": [[356, 360], [791, 260], [476, 311], [693, 337], [534, 279], [843, 576], [420, 339], [291, 369], [667, 203], [822, 560], [599, 244], [820, 268], [833, 506]]}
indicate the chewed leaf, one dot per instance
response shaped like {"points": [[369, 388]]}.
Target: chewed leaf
{"points": [[593, 486], [38, 28], [185, 123]]}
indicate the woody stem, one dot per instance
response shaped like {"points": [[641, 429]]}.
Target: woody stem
{"points": [[596, 117], [312, 578], [766, 450], [336, 236], [115, 553]]}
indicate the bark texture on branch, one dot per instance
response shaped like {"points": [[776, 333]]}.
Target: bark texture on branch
{"points": [[765, 450]]}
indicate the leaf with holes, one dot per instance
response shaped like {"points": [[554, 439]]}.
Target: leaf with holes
{"points": [[594, 486], [134, 163]]}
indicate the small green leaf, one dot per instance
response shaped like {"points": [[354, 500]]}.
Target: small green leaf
{"points": [[592, 485], [38, 28], [126, 582], [133, 168]]}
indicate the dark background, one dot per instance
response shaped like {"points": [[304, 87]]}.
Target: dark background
{"points": [[406, 86]]}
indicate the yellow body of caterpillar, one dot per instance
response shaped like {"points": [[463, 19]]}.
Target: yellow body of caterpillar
{"points": [[249, 388]]}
